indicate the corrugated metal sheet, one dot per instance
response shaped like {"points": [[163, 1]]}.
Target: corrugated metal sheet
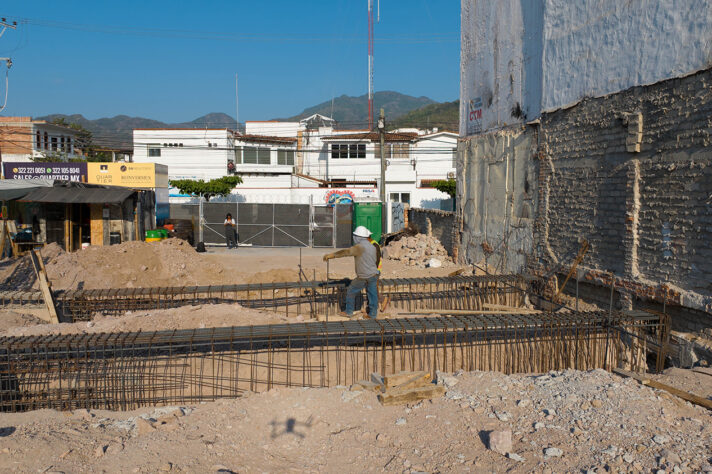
{"points": [[78, 195]]}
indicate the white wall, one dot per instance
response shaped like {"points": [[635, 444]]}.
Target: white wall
{"points": [[594, 48], [273, 129], [540, 55], [195, 159]]}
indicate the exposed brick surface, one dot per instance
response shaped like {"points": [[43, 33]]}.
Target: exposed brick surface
{"points": [[443, 225], [647, 214]]}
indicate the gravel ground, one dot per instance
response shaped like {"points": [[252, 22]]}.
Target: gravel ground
{"points": [[560, 422]]}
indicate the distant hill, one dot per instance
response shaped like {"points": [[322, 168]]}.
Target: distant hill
{"points": [[349, 112], [117, 131], [352, 112], [444, 116]]}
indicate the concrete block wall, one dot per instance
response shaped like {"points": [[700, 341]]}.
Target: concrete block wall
{"points": [[646, 214], [442, 222]]}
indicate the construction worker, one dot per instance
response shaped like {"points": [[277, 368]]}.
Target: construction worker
{"points": [[367, 260]]}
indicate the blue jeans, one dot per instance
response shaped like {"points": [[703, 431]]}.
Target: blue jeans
{"points": [[371, 285]]}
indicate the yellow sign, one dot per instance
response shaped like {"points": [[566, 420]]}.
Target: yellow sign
{"points": [[130, 175]]}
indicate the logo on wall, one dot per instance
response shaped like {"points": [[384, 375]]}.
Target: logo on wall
{"points": [[474, 116], [339, 196]]}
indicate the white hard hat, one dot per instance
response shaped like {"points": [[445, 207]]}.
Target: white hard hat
{"points": [[361, 231]]}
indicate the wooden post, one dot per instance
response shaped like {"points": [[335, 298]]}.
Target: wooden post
{"points": [[45, 285], [67, 225]]}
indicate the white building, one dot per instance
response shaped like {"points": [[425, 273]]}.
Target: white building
{"points": [[299, 161], [23, 139]]}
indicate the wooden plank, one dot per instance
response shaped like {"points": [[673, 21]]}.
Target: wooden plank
{"points": [[44, 285], [509, 309], [366, 385], [400, 397], [687, 396], [407, 379], [96, 225]]}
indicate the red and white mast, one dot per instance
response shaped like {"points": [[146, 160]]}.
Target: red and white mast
{"points": [[370, 64]]}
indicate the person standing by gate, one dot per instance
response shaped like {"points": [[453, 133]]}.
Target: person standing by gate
{"points": [[367, 259], [230, 233]]}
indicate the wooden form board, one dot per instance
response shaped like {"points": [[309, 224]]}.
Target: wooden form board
{"points": [[687, 396], [96, 225]]}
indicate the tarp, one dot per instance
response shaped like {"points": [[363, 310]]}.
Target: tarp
{"points": [[78, 195], [11, 189]]}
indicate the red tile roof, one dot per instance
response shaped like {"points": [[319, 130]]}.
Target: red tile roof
{"points": [[373, 137]]}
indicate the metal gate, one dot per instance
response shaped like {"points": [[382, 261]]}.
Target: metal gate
{"points": [[270, 225]]}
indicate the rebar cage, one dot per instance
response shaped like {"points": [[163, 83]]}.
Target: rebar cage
{"points": [[123, 371]]}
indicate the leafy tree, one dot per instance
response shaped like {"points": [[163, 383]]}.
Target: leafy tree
{"points": [[215, 187], [446, 186]]}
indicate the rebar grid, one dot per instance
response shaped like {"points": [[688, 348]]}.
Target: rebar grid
{"points": [[291, 298], [128, 370]]}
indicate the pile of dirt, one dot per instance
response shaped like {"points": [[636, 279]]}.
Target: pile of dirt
{"points": [[417, 250], [557, 422], [185, 317], [171, 262]]}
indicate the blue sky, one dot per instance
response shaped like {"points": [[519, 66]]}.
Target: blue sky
{"points": [[176, 60]]}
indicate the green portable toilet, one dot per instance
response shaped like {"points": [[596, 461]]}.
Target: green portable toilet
{"points": [[368, 214]]}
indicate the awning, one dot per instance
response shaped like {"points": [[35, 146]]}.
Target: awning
{"points": [[79, 195], [11, 189]]}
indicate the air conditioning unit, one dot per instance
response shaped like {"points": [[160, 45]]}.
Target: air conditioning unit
{"points": [[451, 175]]}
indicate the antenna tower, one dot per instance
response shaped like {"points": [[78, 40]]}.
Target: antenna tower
{"points": [[370, 64]]}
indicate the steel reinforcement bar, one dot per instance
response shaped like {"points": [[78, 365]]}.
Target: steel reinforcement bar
{"points": [[128, 370], [291, 298]]}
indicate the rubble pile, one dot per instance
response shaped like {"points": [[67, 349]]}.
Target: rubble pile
{"points": [[418, 250]]}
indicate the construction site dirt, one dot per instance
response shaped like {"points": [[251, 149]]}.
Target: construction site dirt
{"points": [[206, 380]]}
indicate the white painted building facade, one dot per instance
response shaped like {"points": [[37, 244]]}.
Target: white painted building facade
{"points": [[303, 161]]}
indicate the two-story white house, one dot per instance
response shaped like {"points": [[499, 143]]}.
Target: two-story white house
{"points": [[23, 139]]}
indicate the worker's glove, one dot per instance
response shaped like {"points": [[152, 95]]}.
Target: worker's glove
{"points": [[327, 257]]}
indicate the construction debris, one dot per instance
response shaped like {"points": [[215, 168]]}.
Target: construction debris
{"points": [[405, 387], [418, 250]]}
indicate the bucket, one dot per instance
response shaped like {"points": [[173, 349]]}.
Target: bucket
{"points": [[153, 239]]}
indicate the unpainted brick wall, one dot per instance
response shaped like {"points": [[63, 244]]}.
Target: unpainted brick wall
{"points": [[647, 214], [443, 224]]}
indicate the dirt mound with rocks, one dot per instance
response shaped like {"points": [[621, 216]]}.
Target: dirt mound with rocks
{"points": [[557, 422], [417, 250], [171, 262]]}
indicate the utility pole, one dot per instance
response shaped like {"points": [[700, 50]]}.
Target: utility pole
{"points": [[382, 136], [8, 61]]}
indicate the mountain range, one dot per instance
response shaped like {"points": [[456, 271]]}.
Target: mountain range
{"points": [[348, 111]]}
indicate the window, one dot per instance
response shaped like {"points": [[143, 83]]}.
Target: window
{"points": [[400, 150], [62, 144], [46, 141], [454, 157], [250, 155], [54, 143], [238, 156], [343, 151], [400, 197], [339, 151], [263, 156], [69, 145], [154, 151], [38, 142], [285, 157]]}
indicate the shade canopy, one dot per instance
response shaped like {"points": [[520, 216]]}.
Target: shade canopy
{"points": [[78, 195]]}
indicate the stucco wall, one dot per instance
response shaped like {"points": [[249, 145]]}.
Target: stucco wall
{"points": [[496, 198], [522, 57]]}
